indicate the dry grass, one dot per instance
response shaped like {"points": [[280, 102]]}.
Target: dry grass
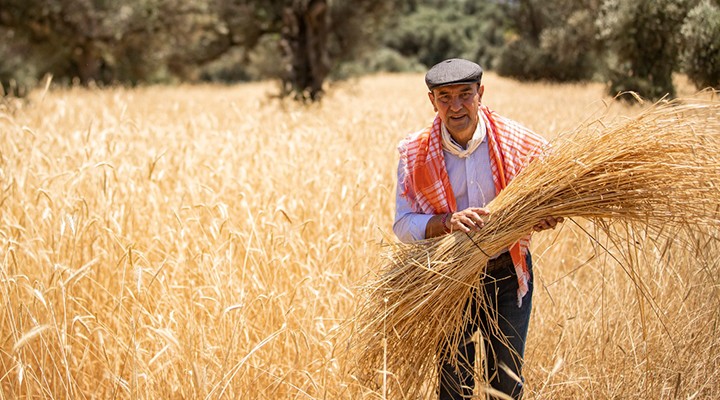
{"points": [[205, 242]]}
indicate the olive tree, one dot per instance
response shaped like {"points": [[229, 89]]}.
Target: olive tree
{"points": [[701, 45], [642, 38]]}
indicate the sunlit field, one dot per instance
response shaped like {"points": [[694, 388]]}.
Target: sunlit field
{"points": [[206, 242]]}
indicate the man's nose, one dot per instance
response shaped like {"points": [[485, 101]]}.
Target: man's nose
{"points": [[456, 104]]}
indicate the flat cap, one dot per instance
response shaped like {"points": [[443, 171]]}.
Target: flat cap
{"points": [[453, 72]]}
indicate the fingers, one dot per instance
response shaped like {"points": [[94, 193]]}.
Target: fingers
{"points": [[479, 210], [548, 223], [541, 226], [473, 219], [469, 219], [470, 222]]}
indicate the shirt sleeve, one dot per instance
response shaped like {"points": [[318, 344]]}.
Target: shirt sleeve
{"points": [[408, 226]]}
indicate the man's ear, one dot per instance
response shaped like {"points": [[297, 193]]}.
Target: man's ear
{"points": [[431, 96], [481, 90]]}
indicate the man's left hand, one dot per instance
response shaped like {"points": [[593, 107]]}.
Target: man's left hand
{"points": [[548, 223]]}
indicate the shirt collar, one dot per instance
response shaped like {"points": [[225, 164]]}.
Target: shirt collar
{"points": [[453, 147]]}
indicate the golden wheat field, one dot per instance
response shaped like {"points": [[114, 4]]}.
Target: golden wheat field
{"points": [[211, 242]]}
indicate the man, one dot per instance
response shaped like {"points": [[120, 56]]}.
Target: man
{"points": [[447, 174]]}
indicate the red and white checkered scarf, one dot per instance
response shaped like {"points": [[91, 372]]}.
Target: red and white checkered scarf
{"points": [[427, 184]]}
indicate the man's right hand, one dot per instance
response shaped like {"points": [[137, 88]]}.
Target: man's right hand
{"points": [[469, 219]]}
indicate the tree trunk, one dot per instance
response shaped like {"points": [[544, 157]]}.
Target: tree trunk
{"points": [[304, 47], [88, 63]]}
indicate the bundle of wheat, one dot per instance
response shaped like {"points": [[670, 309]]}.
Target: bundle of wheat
{"points": [[658, 171]]}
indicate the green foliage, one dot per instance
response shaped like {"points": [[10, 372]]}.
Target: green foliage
{"points": [[16, 74], [381, 60], [642, 37], [137, 41], [434, 31], [521, 59], [356, 27], [571, 48], [98, 41], [635, 44], [544, 49], [701, 39]]}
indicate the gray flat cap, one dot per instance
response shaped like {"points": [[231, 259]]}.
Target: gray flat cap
{"points": [[453, 72]]}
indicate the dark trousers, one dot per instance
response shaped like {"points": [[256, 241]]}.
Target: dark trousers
{"points": [[503, 327]]}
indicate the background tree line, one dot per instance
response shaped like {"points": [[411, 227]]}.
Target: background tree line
{"points": [[631, 44]]}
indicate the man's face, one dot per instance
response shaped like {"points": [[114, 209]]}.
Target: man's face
{"points": [[457, 106]]}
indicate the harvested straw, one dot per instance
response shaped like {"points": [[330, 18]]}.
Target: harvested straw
{"points": [[658, 171]]}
